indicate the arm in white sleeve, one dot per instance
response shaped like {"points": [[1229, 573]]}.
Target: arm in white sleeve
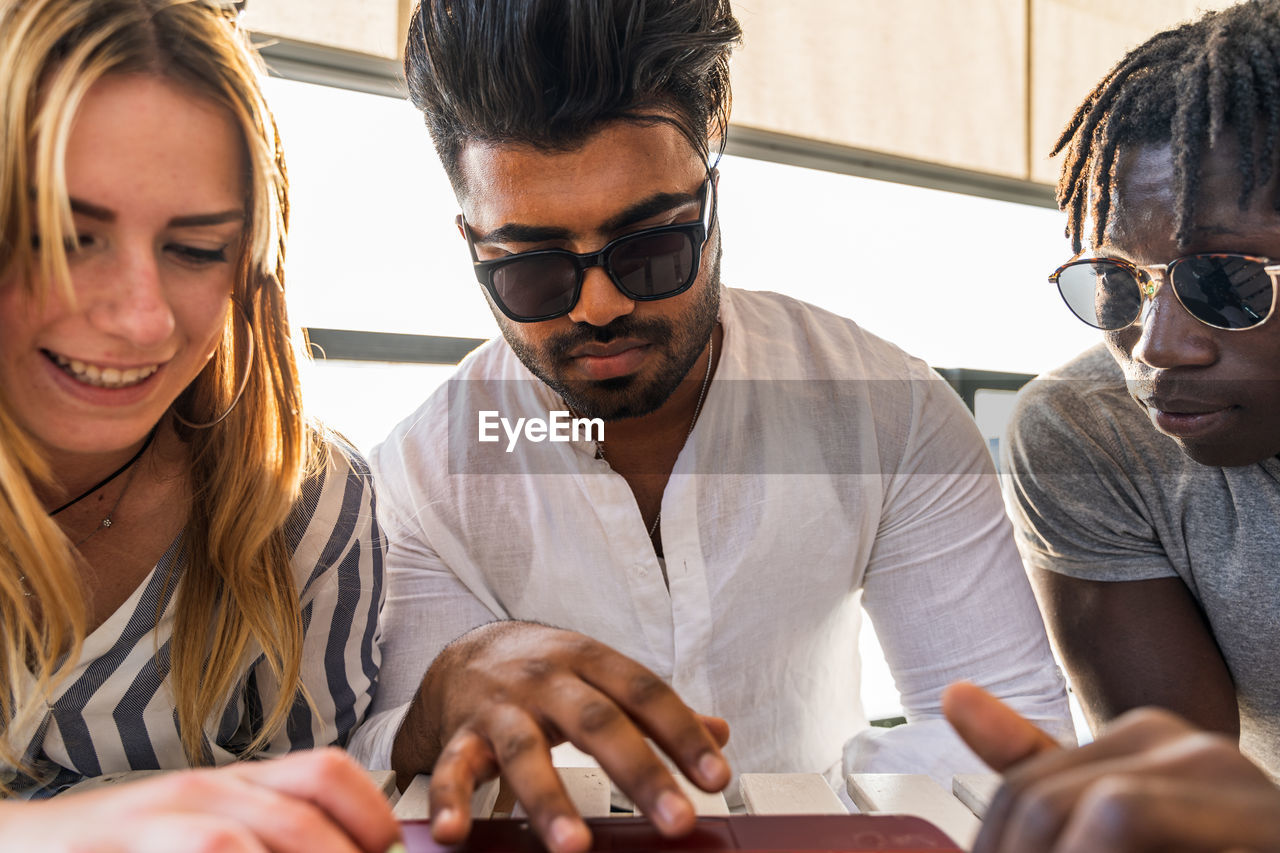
{"points": [[949, 598]]}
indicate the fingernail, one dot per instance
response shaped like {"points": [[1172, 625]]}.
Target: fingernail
{"points": [[671, 808], [711, 768], [445, 816], [398, 847], [565, 832]]}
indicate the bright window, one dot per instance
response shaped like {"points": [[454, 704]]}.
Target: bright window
{"points": [[957, 280]]}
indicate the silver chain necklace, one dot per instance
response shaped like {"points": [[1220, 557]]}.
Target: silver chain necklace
{"points": [[706, 380]]}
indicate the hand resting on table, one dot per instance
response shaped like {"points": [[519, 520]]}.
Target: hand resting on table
{"points": [[498, 698]]}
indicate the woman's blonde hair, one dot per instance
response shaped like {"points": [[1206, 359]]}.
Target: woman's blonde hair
{"points": [[237, 595]]}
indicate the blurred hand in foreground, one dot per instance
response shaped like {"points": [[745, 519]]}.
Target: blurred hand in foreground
{"points": [[1151, 781], [316, 801]]}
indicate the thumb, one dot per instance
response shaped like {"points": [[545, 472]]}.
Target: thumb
{"points": [[998, 734]]}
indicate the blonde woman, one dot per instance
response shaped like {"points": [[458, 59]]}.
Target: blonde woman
{"points": [[190, 573]]}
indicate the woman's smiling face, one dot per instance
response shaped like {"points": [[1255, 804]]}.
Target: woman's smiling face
{"points": [[157, 185]]}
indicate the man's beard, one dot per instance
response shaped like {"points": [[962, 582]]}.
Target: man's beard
{"points": [[628, 396]]}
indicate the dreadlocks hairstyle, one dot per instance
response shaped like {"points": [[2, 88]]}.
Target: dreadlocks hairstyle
{"points": [[547, 73], [1187, 87]]}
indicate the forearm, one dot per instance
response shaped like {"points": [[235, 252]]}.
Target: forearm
{"points": [[1127, 644]]}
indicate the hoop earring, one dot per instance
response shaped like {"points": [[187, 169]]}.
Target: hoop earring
{"points": [[244, 381]]}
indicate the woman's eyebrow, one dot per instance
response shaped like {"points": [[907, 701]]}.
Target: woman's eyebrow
{"points": [[103, 214], [92, 211], [196, 219]]}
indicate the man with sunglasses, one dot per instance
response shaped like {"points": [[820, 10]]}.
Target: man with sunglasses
{"points": [[765, 467], [1145, 483]]}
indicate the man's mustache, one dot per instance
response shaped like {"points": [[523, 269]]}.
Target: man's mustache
{"points": [[652, 330]]}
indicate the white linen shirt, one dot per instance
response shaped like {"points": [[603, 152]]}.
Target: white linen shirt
{"points": [[827, 469]]}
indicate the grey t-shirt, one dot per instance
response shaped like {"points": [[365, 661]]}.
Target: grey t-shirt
{"points": [[1097, 493]]}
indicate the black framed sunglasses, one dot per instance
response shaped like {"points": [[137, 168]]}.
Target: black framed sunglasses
{"points": [[543, 284], [1224, 291]]}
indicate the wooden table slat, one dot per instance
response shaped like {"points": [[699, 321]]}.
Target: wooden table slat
{"points": [[789, 793], [900, 793], [976, 790], [587, 787], [703, 803]]}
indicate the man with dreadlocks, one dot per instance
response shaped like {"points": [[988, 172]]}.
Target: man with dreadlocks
{"points": [[1145, 483]]}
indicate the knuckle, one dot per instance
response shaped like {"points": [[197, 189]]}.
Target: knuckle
{"points": [[517, 744], [191, 785], [1209, 745], [597, 716], [586, 650], [691, 740], [652, 779], [645, 688], [295, 822], [330, 763], [1038, 814], [536, 669], [1149, 722], [1210, 752], [446, 790], [457, 748], [1108, 808], [218, 839]]}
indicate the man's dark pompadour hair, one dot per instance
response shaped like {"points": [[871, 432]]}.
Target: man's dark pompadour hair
{"points": [[547, 73], [1186, 87]]}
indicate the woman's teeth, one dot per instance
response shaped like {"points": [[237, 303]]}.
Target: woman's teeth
{"points": [[103, 377]]}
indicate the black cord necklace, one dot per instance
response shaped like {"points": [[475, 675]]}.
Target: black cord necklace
{"points": [[116, 473]]}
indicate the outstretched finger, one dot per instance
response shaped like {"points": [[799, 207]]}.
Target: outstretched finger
{"points": [[524, 755], [595, 724], [659, 713], [466, 761], [1033, 805]]}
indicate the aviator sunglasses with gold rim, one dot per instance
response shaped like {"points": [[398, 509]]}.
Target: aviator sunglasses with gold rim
{"points": [[1224, 291]]}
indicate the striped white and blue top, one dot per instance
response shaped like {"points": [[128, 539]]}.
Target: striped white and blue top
{"points": [[115, 712]]}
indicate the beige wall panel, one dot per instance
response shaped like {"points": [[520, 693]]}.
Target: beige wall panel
{"points": [[1074, 44], [938, 80], [375, 27]]}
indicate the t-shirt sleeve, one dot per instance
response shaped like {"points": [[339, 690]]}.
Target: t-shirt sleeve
{"points": [[1072, 484]]}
